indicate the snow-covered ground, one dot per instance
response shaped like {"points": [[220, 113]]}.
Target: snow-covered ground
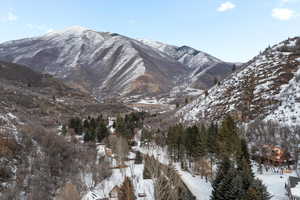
{"points": [[201, 189], [110, 124], [148, 101], [155, 101], [186, 90], [296, 191], [287, 113], [134, 171], [198, 186], [117, 178], [9, 124], [274, 182], [266, 69]]}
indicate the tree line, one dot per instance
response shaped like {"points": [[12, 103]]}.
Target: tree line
{"points": [[93, 129], [224, 144], [127, 124]]}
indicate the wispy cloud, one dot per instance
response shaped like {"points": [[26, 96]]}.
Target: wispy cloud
{"points": [[283, 14], [9, 17], [226, 6]]}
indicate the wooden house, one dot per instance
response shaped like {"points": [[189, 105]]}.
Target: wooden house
{"points": [[275, 155]]}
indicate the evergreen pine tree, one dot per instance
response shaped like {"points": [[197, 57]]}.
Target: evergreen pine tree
{"points": [[93, 124], [87, 137], [90, 136], [200, 146], [189, 140], [212, 132], [236, 190], [101, 131], [227, 138], [223, 169], [257, 191], [93, 135], [244, 153], [79, 127], [86, 125], [247, 174], [186, 101], [244, 165], [76, 124], [226, 189]]}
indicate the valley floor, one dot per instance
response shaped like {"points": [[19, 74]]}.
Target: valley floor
{"points": [[135, 172], [198, 186], [275, 182]]}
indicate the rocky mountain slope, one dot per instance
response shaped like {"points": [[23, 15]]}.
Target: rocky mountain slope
{"points": [[267, 87], [34, 106], [109, 64], [204, 69], [42, 99]]}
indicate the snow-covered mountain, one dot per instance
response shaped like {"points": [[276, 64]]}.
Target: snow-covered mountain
{"points": [[104, 63], [109, 64], [204, 68], [267, 87]]}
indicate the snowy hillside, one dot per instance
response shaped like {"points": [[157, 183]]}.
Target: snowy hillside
{"points": [[184, 54], [112, 65], [204, 68], [101, 62], [266, 88]]}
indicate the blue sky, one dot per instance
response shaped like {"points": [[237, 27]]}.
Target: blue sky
{"points": [[233, 30]]}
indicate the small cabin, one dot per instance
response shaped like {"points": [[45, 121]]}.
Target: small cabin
{"points": [[293, 188]]}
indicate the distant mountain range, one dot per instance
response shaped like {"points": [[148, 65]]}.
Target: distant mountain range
{"points": [[111, 65], [265, 88]]}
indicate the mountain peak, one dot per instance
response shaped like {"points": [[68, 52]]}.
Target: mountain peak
{"points": [[74, 30], [156, 44]]}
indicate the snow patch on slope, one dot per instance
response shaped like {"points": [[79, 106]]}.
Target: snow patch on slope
{"points": [[289, 109], [266, 69], [155, 44], [8, 124]]}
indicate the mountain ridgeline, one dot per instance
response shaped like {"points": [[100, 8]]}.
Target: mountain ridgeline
{"points": [[112, 65]]}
